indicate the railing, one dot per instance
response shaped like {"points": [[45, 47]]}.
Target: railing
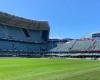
{"points": [[21, 41], [22, 53], [73, 45], [91, 47]]}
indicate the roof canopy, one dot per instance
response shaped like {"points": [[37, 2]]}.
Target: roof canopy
{"points": [[12, 20]]}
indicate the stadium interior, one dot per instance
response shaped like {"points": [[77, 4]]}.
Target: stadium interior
{"points": [[29, 38]]}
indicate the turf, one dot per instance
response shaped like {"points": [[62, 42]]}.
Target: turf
{"points": [[48, 69]]}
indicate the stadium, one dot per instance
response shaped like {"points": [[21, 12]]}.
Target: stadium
{"points": [[22, 37], [28, 53]]}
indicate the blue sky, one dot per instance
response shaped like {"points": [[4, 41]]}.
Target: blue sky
{"points": [[67, 18]]}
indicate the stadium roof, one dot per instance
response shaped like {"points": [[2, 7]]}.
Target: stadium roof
{"points": [[12, 20]]}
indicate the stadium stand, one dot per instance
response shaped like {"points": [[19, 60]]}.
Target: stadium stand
{"points": [[25, 37], [82, 45], [20, 35]]}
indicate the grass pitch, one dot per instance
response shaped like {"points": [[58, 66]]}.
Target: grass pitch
{"points": [[48, 69]]}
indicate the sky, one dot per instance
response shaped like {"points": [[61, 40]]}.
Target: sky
{"points": [[67, 18]]}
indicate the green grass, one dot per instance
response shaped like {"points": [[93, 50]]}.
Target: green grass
{"points": [[48, 69]]}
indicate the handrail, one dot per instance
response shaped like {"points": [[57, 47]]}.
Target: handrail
{"points": [[73, 45], [91, 46]]}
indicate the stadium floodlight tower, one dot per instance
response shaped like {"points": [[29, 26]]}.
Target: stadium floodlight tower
{"points": [[18, 34]]}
